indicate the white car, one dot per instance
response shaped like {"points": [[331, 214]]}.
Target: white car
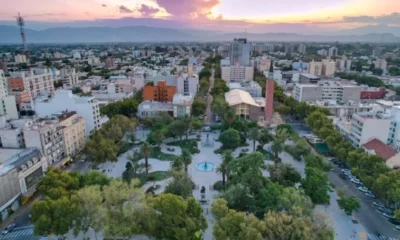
{"points": [[355, 181], [8, 228], [363, 189], [397, 228]]}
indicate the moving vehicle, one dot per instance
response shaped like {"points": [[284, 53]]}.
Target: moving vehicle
{"points": [[8, 228]]}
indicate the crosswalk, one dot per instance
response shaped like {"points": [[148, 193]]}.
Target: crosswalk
{"points": [[17, 233], [375, 237]]}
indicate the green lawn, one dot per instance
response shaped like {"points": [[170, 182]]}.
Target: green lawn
{"points": [[156, 153], [159, 175], [190, 145]]}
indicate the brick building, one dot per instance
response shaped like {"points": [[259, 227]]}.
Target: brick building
{"points": [[160, 92], [373, 93]]}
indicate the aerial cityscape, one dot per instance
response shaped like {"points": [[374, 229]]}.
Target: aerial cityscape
{"points": [[199, 120]]}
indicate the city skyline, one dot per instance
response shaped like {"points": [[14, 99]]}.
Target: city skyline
{"points": [[232, 15]]}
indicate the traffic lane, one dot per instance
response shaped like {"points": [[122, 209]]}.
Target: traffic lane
{"points": [[367, 215]]}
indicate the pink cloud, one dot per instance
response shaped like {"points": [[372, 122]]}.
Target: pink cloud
{"points": [[188, 8], [124, 10], [147, 11]]}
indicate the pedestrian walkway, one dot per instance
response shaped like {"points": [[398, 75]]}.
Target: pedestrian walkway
{"points": [[17, 233], [375, 237]]}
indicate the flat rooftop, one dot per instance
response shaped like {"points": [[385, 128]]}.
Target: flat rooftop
{"points": [[11, 158]]}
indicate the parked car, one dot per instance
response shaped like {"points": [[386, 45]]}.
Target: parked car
{"points": [[378, 204], [385, 210], [345, 170], [394, 221], [355, 181], [8, 228], [397, 228], [388, 216], [342, 175], [363, 189], [369, 195]]}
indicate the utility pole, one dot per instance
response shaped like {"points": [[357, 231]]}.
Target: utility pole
{"points": [[21, 24]]}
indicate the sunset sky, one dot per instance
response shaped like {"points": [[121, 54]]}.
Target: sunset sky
{"points": [[254, 15]]}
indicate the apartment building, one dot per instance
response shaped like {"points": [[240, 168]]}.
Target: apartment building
{"points": [[20, 58], [73, 131], [187, 84], [240, 51], [85, 106], [302, 48], [46, 134], [315, 68], [327, 90], [364, 127], [37, 81], [343, 110], [237, 73], [328, 68], [20, 170], [12, 137], [343, 64], [333, 52], [160, 92], [8, 105], [381, 64], [251, 87], [68, 76], [182, 105]]}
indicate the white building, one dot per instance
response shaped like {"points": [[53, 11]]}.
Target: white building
{"points": [[333, 52], [364, 127], [322, 52], [68, 76], [85, 106], [12, 137], [187, 84], [20, 58], [8, 105], [381, 64], [302, 48], [237, 73], [182, 105], [251, 87], [76, 55], [92, 60], [46, 135]]}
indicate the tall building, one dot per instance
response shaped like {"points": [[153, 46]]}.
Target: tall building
{"points": [[289, 48], [46, 135], [302, 48], [315, 68], [73, 131], [38, 81], [333, 52], [187, 84], [68, 76], [8, 104], [20, 170], [237, 73], [182, 105], [381, 64], [87, 107], [377, 52], [269, 95], [328, 68], [160, 92], [20, 58], [240, 52], [110, 62]]}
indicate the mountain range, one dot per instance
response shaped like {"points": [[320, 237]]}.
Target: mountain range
{"points": [[10, 34]]}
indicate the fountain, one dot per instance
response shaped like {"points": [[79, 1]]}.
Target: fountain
{"points": [[205, 166]]}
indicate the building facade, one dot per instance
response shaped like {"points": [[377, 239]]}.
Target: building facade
{"points": [[237, 73], [188, 84], [8, 106], [160, 92], [240, 51], [182, 105], [364, 128], [73, 131], [37, 81], [252, 87]]}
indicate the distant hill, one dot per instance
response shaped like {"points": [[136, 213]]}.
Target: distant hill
{"points": [[10, 34]]}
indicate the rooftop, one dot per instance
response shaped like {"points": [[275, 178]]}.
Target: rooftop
{"points": [[180, 99], [11, 158], [238, 96], [380, 149], [155, 106]]}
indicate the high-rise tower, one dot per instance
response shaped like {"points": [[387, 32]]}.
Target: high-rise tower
{"points": [[269, 94]]}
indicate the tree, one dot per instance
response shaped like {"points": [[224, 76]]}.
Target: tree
{"points": [[133, 169], [254, 135], [229, 116], [284, 174], [187, 123], [178, 218], [199, 106], [56, 184], [196, 124], [264, 137], [158, 137], [317, 162], [283, 110], [145, 150], [186, 159], [286, 227], [177, 163], [101, 150], [223, 168], [349, 204], [177, 128], [230, 139], [316, 185], [219, 105], [181, 185], [127, 107]]}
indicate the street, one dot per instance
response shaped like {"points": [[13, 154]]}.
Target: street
{"points": [[210, 115]]}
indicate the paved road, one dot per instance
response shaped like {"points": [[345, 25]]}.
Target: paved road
{"points": [[210, 115], [367, 215], [19, 233]]}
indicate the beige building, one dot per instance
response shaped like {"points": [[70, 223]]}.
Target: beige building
{"points": [[237, 73], [315, 68], [246, 106], [328, 68], [20, 58], [73, 130]]}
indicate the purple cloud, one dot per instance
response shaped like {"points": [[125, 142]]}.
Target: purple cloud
{"points": [[124, 10], [188, 8], [147, 11]]}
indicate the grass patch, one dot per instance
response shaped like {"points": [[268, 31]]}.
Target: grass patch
{"points": [[156, 153], [190, 145], [158, 176]]}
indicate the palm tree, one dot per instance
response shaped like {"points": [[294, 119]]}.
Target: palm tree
{"points": [[278, 145], [146, 150], [223, 168], [187, 123], [230, 117], [186, 159], [177, 163], [158, 138], [254, 135]]}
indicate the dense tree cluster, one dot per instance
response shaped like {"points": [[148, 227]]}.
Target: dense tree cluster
{"points": [[127, 107], [115, 207], [362, 79]]}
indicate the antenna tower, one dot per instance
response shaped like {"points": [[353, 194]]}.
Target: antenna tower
{"points": [[21, 24]]}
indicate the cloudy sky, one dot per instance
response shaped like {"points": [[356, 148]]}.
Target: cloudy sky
{"points": [[225, 15]]}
